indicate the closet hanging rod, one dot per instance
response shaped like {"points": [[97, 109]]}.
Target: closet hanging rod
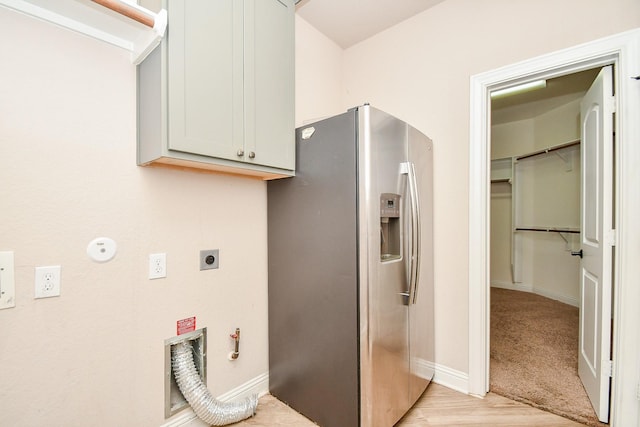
{"points": [[127, 10], [549, 229], [549, 149]]}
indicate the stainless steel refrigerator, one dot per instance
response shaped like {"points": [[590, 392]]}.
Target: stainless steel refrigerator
{"points": [[351, 339]]}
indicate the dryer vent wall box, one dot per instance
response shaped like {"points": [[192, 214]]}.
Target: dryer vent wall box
{"points": [[174, 400]]}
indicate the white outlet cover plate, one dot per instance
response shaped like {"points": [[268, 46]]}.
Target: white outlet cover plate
{"points": [[157, 266], [47, 281], [102, 249]]}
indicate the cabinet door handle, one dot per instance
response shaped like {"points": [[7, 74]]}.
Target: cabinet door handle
{"points": [[252, 155], [240, 152]]}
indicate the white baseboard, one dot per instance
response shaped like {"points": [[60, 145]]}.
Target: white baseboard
{"points": [[525, 287], [450, 378], [423, 368], [258, 385], [512, 286], [559, 297], [186, 418]]}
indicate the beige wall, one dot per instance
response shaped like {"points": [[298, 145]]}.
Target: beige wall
{"points": [[67, 164], [319, 78], [513, 138], [94, 355], [419, 71]]}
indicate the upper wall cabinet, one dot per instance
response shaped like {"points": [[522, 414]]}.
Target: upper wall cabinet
{"points": [[219, 93]]}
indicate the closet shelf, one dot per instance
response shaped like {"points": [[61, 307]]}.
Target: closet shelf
{"points": [[501, 169], [121, 23]]}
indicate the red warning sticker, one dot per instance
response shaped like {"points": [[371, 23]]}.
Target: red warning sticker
{"points": [[186, 325]]}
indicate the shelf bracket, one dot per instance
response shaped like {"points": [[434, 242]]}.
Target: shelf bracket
{"points": [[568, 163], [567, 244]]}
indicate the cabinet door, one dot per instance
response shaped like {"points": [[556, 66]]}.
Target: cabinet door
{"points": [[205, 70], [269, 83]]}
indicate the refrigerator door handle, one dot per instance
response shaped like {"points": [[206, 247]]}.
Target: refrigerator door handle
{"points": [[408, 168]]}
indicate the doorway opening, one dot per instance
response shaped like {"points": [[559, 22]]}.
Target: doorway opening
{"points": [[622, 51], [535, 215]]}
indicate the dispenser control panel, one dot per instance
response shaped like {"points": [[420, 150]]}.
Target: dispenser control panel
{"points": [[389, 205], [389, 227]]}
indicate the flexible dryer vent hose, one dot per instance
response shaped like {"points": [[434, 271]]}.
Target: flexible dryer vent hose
{"points": [[206, 407]]}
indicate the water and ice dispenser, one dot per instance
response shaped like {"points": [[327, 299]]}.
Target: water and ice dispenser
{"points": [[389, 226]]}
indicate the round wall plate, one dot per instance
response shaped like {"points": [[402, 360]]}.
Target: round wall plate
{"points": [[102, 249]]}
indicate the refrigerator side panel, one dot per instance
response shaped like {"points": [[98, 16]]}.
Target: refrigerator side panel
{"points": [[384, 318], [421, 312], [313, 276]]}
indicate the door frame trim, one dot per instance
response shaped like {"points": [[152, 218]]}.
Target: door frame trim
{"points": [[622, 50]]}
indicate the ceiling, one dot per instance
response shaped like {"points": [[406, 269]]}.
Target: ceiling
{"points": [[559, 91], [348, 22]]}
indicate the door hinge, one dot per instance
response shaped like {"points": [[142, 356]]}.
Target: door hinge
{"points": [[613, 105], [611, 238], [607, 368]]}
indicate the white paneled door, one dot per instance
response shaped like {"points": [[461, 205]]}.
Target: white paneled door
{"points": [[597, 241]]}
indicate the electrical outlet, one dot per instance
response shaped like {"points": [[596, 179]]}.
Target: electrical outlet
{"points": [[157, 266], [47, 281], [209, 259]]}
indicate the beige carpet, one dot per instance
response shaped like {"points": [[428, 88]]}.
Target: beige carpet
{"points": [[534, 354]]}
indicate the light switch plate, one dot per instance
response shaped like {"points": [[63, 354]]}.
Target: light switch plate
{"points": [[7, 281]]}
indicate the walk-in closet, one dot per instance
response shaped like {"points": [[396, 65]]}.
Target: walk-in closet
{"points": [[535, 243], [535, 200]]}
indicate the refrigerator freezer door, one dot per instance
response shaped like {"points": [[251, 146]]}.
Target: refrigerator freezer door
{"points": [[313, 277]]}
